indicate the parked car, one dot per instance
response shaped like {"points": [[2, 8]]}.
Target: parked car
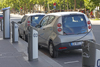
{"points": [[27, 20], [64, 31], [1, 16]]}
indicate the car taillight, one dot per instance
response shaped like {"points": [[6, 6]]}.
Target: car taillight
{"points": [[63, 48], [28, 23], [89, 24], [59, 25], [59, 29]]}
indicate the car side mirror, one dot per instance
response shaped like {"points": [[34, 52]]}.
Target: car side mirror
{"points": [[19, 22]]}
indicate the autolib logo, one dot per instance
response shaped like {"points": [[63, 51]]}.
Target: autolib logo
{"points": [[98, 63]]}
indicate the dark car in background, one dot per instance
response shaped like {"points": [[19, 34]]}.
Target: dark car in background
{"points": [[1, 16]]}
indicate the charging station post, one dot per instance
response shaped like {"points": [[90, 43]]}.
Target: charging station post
{"points": [[6, 23], [32, 44], [14, 32], [90, 54], [1, 21]]}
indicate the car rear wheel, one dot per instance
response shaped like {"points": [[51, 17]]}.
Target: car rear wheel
{"points": [[25, 37], [52, 51], [39, 46], [19, 34]]}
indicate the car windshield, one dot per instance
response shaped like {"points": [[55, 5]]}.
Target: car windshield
{"points": [[74, 24], [36, 19]]}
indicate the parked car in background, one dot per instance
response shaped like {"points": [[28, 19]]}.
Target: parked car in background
{"points": [[64, 31], [27, 20], [1, 16]]}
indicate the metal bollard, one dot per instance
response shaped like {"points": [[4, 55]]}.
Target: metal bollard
{"points": [[90, 54], [1, 24], [32, 44], [6, 23], [14, 32], [97, 60]]}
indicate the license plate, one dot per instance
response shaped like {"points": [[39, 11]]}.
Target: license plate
{"points": [[76, 43]]}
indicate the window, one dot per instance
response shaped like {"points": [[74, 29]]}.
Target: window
{"points": [[44, 21], [74, 20], [74, 24], [24, 18], [51, 19], [36, 19]]}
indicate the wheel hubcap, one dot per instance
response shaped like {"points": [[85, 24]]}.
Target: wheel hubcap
{"points": [[51, 49]]}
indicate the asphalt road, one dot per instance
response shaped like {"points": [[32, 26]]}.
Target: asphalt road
{"points": [[71, 58]]}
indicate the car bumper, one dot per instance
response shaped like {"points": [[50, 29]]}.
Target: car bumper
{"points": [[67, 46]]}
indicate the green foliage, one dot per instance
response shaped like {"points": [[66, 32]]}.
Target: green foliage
{"points": [[61, 4], [91, 4]]}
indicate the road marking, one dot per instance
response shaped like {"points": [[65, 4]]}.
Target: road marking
{"points": [[1, 38], [71, 62]]}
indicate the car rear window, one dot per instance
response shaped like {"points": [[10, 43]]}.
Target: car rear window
{"points": [[74, 24], [36, 19]]}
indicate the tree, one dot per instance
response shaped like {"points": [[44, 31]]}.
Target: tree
{"points": [[89, 4]]}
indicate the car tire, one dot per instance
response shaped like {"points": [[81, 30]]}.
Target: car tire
{"points": [[26, 38], [39, 47], [53, 52], [19, 34]]}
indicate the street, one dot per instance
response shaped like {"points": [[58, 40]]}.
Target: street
{"points": [[68, 58]]}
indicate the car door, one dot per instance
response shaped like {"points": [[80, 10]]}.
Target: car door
{"points": [[41, 29], [46, 28], [22, 25]]}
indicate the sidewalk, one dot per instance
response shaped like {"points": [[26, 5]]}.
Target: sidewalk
{"points": [[95, 22], [15, 55], [9, 56]]}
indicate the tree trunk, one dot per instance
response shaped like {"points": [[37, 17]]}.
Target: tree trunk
{"points": [[97, 12], [24, 9], [64, 5], [40, 8], [60, 5], [33, 9], [30, 8], [74, 5], [67, 5]]}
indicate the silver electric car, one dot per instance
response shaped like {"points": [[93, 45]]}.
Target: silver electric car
{"points": [[27, 20], [64, 31]]}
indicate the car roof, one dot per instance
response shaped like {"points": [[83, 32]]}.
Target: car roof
{"points": [[64, 13], [1, 14], [35, 14]]}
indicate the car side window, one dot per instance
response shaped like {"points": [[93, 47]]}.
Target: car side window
{"points": [[51, 19], [45, 21], [24, 18]]}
